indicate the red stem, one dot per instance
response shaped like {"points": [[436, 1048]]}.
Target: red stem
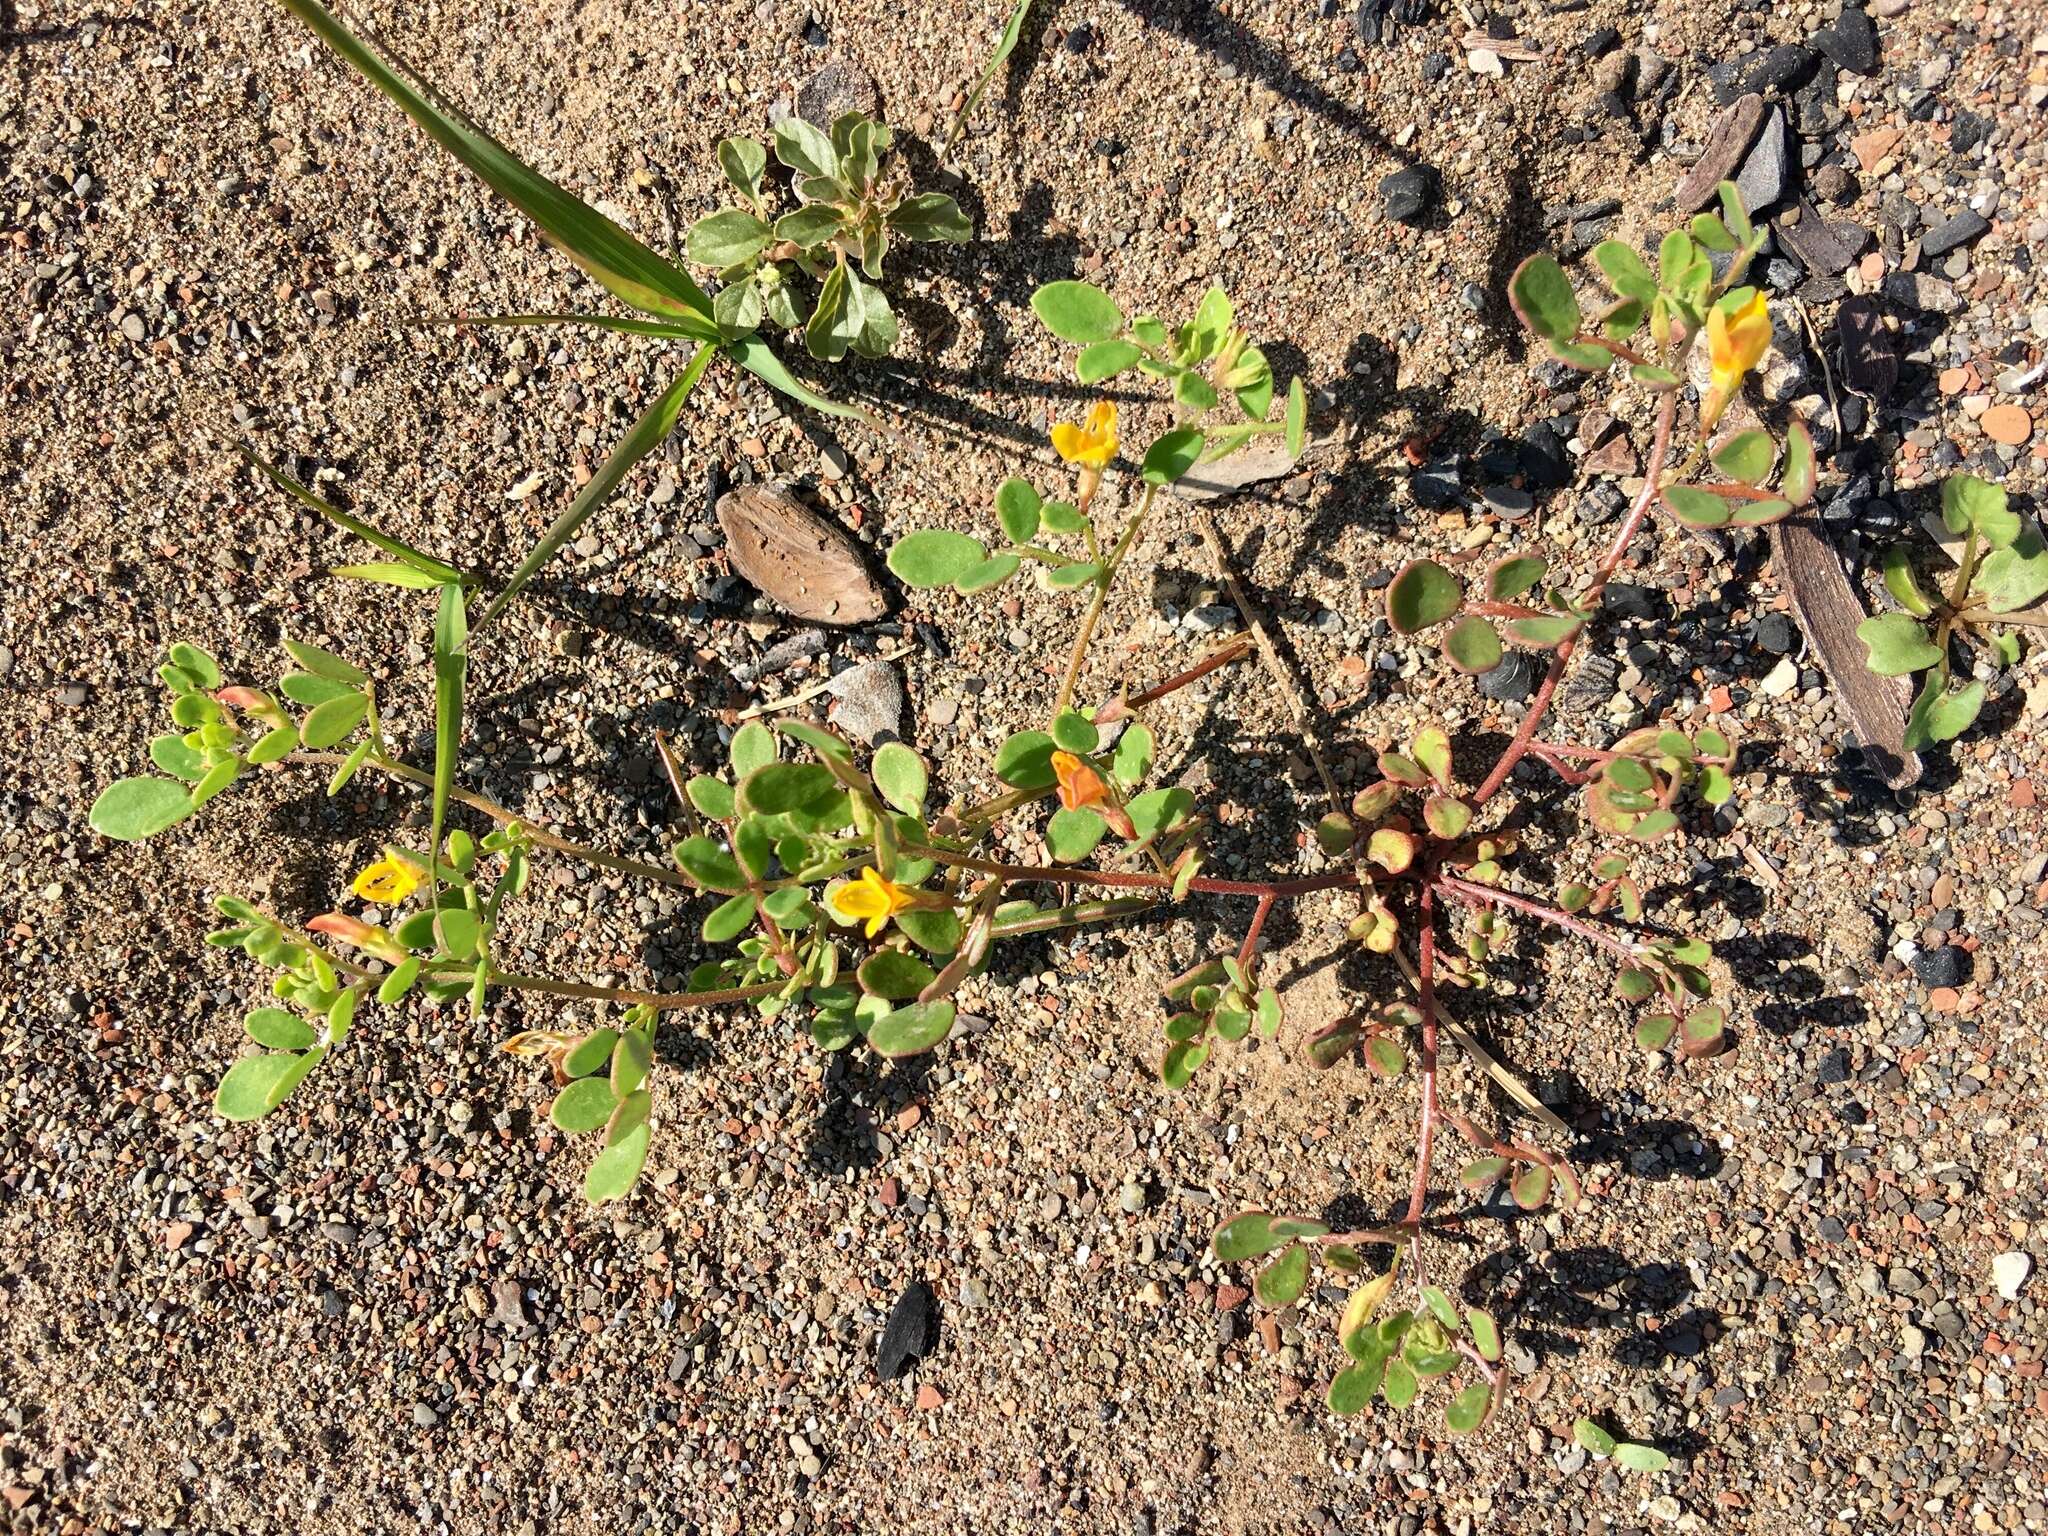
{"points": [[1425, 1135], [1223, 656], [1251, 935], [1660, 448], [1476, 895], [1269, 890]]}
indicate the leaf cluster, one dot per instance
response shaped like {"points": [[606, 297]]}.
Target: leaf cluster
{"points": [[2003, 568], [851, 205]]}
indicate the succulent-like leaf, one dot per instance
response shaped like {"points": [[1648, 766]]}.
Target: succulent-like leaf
{"points": [[1421, 594], [1542, 297]]}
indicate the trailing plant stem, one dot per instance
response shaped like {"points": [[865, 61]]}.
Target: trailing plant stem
{"points": [[1078, 657], [1474, 895], [1425, 1133], [1646, 499], [1270, 890], [499, 814]]}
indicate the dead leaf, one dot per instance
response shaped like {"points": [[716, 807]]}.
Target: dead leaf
{"points": [[805, 563]]}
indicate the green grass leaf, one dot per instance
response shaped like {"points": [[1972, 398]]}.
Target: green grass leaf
{"points": [[1006, 44], [451, 669], [627, 268], [759, 359], [645, 435]]}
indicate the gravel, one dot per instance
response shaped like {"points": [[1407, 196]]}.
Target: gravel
{"points": [[1807, 1268]]}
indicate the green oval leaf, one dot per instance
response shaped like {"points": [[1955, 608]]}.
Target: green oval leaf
{"points": [[1467, 1411], [1281, 1282], [899, 773], [616, 1169], [1077, 312], [1178, 1067], [255, 1085], [1472, 645], [931, 216], [1246, 1235], [130, 809], [894, 974], [279, 1030], [1173, 455], [1073, 731], [1508, 579], [1025, 760], [1017, 509], [1422, 594], [729, 919], [936, 557], [992, 572], [911, 1031], [709, 865], [326, 724], [1702, 509], [1072, 835], [1747, 456], [1542, 297], [1105, 359], [1641, 1458], [732, 236], [1593, 1437], [590, 1054], [1897, 645], [584, 1106]]}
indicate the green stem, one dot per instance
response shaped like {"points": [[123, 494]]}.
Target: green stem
{"points": [[1073, 915], [657, 1000], [1966, 567], [499, 814], [1079, 656]]}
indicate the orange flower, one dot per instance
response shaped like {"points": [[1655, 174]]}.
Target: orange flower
{"points": [[1082, 788], [367, 937], [1092, 444], [1080, 785]]}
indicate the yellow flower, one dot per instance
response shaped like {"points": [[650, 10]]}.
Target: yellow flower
{"points": [[870, 899], [388, 880], [1737, 341], [1092, 444]]}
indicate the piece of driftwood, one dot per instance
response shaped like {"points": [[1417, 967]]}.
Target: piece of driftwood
{"points": [[804, 563], [1829, 612]]}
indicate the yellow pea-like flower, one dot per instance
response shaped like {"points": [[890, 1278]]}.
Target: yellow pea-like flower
{"points": [[1091, 444], [871, 900], [1738, 336], [386, 881]]}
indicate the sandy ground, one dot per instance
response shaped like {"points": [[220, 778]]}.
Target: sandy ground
{"points": [[387, 1308]]}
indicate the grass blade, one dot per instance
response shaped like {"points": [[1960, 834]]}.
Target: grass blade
{"points": [[654, 424], [628, 269], [1005, 46], [755, 355], [451, 668], [631, 324], [398, 549]]}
